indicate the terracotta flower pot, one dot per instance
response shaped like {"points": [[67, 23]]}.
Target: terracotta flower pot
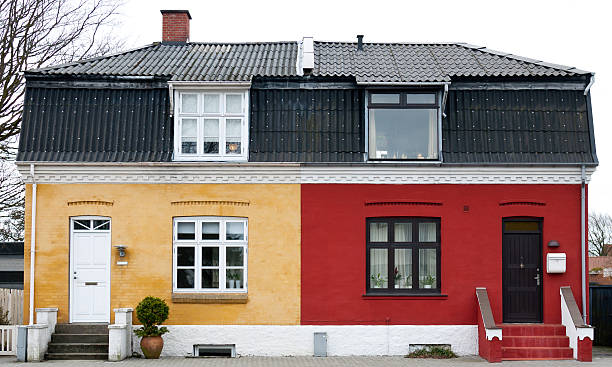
{"points": [[151, 346]]}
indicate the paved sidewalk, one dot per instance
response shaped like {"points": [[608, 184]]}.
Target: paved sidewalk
{"points": [[311, 362]]}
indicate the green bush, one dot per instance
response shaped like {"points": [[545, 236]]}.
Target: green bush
{"points": [[4, 317], [151, 311], [433, 352]]}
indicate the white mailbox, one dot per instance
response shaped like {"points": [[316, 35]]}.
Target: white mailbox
{"points": [[555, 262]]}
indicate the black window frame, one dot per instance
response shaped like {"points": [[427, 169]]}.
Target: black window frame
{"points": [[403, 104], [414, 245]]}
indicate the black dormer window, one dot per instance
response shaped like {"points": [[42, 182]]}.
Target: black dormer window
{"points": [[403, 125]]}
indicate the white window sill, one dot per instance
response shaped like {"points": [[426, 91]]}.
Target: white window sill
{"points": [[210, 297]]}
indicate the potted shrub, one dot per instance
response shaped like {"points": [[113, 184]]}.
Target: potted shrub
{"points": [[151, 311], [397, 277], [429, 281], [377, 281]]}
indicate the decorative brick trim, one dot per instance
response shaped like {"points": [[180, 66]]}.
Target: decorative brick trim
{"points": [[210, 202], [393, 203], [90, 202], [523, 203]]}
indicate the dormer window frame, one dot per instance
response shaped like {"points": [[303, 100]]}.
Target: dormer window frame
{"points": [[404, 102], [205, 135]]}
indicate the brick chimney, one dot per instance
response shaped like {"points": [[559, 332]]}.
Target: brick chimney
{"points": [[175, 27]]}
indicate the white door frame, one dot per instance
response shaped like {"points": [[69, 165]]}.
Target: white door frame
{"points": [[71, 298]]}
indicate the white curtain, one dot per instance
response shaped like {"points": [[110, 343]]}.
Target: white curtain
{"points": [[403, 232], [433, 135], [378, 268], [378, 232], [403, 268], [427, 232], [372, 135], [427, 268]]}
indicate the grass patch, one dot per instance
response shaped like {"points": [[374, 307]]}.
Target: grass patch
{"points": [[432, 352]]}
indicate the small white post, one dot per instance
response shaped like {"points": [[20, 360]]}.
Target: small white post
{"points": [[120, 335], [37, 342]]}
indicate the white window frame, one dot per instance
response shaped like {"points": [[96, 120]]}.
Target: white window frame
{"points": [[222, 116], [199, 243]]}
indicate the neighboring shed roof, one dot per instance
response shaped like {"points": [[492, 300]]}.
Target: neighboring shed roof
{"points": [[377, 62], [11, 248], [600, 262]]}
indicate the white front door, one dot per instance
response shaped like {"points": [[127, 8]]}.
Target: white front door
{"points": [[90, 253]]}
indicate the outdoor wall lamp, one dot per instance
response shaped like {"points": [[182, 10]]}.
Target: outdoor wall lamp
{"points": [[121, 250]]}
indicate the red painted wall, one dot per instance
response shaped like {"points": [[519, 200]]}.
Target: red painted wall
{"points": [[333, 249]]}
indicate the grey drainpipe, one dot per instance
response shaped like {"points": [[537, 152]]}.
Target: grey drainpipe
{"points": [[582, 241], [32, 245]]}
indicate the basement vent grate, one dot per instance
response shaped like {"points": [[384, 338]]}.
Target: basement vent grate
{"points": [[214, 350]]}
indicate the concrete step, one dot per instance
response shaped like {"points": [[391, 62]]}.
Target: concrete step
{"points": [[532, 330], [79, 338], [556, 341], [78, 348], [85, 328], [76, 356], [533, 353]]}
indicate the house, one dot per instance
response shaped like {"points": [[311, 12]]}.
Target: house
{"points": [[272, 190], [600, 270], [11, 265]]}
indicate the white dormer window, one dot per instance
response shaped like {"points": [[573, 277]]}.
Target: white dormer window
{"points": [[211, 126]]}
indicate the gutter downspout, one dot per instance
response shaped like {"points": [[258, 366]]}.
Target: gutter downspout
{"points": [[582, 241], [32, 245], [588, 87]]}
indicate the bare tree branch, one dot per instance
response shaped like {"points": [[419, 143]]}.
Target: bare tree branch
{"points": [[600, 234], [36, 34]]}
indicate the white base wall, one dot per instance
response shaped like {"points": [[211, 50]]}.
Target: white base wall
{"points": [[298, 340]]}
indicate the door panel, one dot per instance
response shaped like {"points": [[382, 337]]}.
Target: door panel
{"points": [[522, 276], [90, 299]]}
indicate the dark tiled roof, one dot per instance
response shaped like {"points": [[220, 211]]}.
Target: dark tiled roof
{"points": [[191, 61], [421, 62], [517, 126], [96, 125], [378, 62]]}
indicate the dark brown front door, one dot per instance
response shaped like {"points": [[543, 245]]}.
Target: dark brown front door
{"points": [[522, 270]]}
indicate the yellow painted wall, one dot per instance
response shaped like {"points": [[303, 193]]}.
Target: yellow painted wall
{"points": [[141, 217]]}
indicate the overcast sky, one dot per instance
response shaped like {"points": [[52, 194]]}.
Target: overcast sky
{"points": [[563, 32]]}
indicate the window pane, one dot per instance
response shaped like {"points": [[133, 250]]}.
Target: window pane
{"points": [[378, 268], [189, 103], [403, 268], [521, 226], [427, 232], [234, 256], [210, 278], [101, 225], [421, 98], [378, 232], [189, 133], [210, 230], [233, 132], [386, 98], [82, 224], [233, 103], [403, 232], [210, 256], [185, 256], [427, 268], [185, 231], [211, 103], [403, 133], [234, 231], [234, 279], [211, 136], [185, 278]]}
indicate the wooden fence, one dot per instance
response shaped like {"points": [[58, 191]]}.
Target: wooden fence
{"points": [[11, 300], [8, 340]]}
